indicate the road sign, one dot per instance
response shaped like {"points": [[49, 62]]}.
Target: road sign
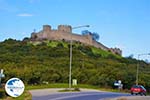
{"points": [[74, 82], [2, 75], [119, 81], [2, 71]]}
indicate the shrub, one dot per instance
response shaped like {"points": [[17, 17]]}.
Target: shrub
{"points": [[2, 93]]}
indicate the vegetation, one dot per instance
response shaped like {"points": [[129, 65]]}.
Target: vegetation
{"points": [[2, 93], [70, 90], [25, 96], [59, 85], [48, 62], [95, 36]]}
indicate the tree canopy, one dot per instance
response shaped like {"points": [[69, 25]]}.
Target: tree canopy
{"points": [[94, 35]]}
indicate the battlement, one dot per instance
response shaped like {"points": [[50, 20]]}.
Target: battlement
{"points": [[46, 28], [65, 28], [116, 51], [64, 32]]}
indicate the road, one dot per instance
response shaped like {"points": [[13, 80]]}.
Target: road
{"points": [[48, 94]]}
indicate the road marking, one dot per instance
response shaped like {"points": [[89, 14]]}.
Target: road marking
{"points": [[72, 96]]}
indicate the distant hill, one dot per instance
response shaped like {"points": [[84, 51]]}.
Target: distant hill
{"points": [[39, 62]]}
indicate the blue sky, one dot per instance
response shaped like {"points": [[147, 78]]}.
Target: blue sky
{"points": [[120, 23]]}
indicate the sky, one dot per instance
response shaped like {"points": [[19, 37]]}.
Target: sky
{"points": [[120, 23]]}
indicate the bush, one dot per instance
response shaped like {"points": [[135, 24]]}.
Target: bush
{"points": [[76, 89], [2, 93]]}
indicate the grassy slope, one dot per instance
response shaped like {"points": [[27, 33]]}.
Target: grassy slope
{"points": [[49, 61]]}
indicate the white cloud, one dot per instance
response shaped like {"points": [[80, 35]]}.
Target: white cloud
{"points": [[25, 15]]}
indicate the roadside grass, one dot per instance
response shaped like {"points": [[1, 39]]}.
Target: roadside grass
{"points": [[25, 96], [70, 90], [59, 85], [66, 86], [43, 86]]}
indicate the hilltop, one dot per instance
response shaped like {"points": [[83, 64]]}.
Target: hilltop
{"points": [[48, 61], [64, 33]]}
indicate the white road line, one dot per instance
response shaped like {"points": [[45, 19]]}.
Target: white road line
{"points": [[77, 95]]}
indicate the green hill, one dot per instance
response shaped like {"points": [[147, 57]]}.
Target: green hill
{"points": [[39, 62]]}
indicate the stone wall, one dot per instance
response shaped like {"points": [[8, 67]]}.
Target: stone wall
{"points": [[64, 32], [65, 28]]}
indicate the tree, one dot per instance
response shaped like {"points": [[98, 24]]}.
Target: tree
{"points": [[130, 56], [94, 35], [85, 32]]}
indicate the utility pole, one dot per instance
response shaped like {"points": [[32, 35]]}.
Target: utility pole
{"points": [[138, 65], [70, 63]]}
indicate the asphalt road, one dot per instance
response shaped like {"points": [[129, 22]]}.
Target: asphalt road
{"points": [[83, 95]]}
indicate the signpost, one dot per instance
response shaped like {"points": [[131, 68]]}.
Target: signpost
{"points": [[1, 76], [74, 82]]}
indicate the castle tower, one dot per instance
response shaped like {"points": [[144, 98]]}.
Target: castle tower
{"points": [[46, 28], [65, 28]]}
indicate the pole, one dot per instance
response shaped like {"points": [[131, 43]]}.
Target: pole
{"points": [[1, 73], [70, 68], [0, 81], [138, 65], [137, 70], [70, 64], [81, 26]]}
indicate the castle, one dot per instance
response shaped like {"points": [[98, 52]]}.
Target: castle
{"points": [[64, 32]]}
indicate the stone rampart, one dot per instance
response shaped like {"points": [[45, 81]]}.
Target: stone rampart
{"points": [[64, 32]]}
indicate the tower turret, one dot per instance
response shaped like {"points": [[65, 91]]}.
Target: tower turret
{"points": [[65, 28], [46, 28]]}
